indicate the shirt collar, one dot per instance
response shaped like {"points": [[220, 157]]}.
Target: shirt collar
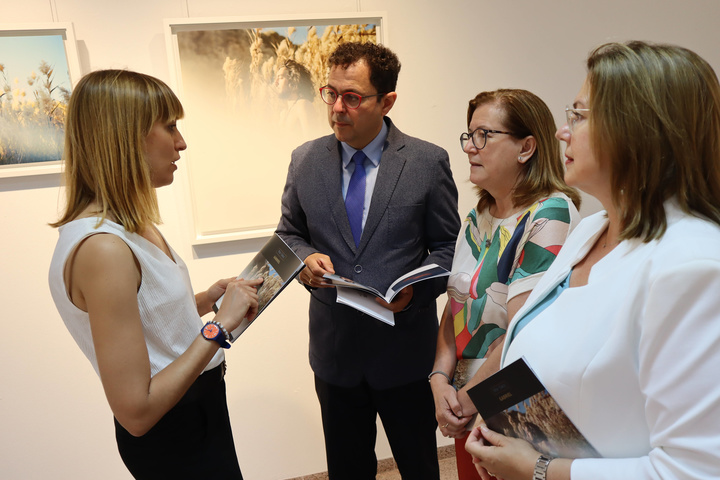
{"points": [[373, 150]]}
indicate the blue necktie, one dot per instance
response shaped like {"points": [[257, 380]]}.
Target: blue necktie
{"points": [[355, 196]]}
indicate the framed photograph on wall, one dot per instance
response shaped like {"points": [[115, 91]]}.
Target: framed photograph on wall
{"points": [[38, 67], [250, 89]]}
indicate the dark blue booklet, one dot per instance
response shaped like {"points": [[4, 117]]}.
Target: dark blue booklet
{"points": [[515, 403]]}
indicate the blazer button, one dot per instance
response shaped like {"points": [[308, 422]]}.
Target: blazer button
{"points": [[358, 268]]}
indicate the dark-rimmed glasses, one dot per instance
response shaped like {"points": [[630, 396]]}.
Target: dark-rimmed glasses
{"points": [[479, 137], [574, 116], [351, 100]]}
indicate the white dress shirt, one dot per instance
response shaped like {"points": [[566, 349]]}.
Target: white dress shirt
{"points": [[373, 151]]}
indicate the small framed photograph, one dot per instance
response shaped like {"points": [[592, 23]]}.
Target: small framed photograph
{"points": [[38, 68], [250, 89]]}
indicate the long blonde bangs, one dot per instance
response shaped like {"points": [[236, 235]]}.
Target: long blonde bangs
{"points": [[109, 117]]}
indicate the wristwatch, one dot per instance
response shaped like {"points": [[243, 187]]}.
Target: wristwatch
{"points": [[541, 467], [215, 332]]}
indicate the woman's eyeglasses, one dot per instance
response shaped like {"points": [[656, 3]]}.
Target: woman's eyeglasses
{"points": [[479, 137], [575, 116]]}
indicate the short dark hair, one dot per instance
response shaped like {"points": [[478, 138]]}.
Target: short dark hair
{"points": [[383, 63]]}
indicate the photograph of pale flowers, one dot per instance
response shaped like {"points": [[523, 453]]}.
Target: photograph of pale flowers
{"points": [[34, 92], [251, 96]]}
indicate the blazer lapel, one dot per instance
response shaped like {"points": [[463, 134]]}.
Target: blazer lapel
{"points": [[539, 293], [331, 176], [391, 166]]}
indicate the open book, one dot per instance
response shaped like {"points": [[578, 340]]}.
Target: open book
{"points": [[362, 297], [515, 403], [277, 264]]}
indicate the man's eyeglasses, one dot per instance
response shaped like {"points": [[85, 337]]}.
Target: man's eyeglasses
{"points": [[479, 137], [351, 100], [575, 116]]}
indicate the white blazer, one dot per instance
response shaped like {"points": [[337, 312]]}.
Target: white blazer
{"points": [[633, 357]]}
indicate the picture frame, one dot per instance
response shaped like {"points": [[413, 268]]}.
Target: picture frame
{"points": [[33, 103], [242, 120]]}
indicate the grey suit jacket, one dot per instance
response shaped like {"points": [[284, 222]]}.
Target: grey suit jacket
{"points": [[413, 220]]}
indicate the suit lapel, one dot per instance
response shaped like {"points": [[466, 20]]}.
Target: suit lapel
{"points": [[391, 166], [331, 175]]}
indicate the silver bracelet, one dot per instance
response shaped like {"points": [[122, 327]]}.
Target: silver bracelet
{"points": [[441, 373], [541, 467]]}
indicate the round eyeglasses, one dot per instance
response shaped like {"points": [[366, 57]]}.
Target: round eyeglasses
{"points": [[351, 100], [575, 116], [479, 137]]}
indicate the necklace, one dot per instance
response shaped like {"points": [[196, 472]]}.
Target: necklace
{"points": [[488, 238], [607, 236]]}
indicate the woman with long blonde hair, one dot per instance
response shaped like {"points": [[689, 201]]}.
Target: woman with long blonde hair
{"points": [[125, 295]]}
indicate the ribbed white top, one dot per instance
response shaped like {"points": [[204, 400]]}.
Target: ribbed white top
{"points": [[167, 304]]}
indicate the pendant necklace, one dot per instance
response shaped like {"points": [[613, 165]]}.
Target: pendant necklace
{"points": [[607, 238], [488, 238]]}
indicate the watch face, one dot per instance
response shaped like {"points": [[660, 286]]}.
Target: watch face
{"points": [[211, 330]]}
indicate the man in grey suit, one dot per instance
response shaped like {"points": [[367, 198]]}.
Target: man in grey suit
{"points": [[371, 217]]}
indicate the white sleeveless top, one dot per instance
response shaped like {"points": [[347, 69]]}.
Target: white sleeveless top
{"points": [[169, 316]]}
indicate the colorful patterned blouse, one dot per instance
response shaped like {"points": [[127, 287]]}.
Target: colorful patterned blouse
{"points": [[498, 259]]}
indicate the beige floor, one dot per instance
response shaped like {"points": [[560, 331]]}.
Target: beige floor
{"points": [[448, 471], [387, 470]]}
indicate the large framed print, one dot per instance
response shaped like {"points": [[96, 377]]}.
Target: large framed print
{"points": [[38, 67], [250, 90]]}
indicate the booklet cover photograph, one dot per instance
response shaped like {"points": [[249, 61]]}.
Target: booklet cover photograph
{"points": [[515, 403], [277, 264]]}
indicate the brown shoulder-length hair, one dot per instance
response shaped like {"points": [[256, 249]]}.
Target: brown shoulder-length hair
{"points": [[109, 117], [542, 174], [655, 121]]}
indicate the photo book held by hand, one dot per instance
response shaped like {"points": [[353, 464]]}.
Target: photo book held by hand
{"points": [[277, 264], [515, 403], [362, 297]]}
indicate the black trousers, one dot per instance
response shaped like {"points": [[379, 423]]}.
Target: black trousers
{"points": [[193, 440], [349, 418]]}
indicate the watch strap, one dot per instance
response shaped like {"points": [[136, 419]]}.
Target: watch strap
{"points": [[541, 466], [220, 335]]}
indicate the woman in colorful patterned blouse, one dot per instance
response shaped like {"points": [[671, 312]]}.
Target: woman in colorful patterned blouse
{"points": [[524, 214]]}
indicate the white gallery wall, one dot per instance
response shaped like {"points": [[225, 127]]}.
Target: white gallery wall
{"points": [[54, 420]]}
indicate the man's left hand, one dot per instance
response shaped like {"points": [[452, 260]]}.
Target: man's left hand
{"points": [[402, 300]]}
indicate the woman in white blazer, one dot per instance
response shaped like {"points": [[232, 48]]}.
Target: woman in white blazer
{"points": [[624, 328]]}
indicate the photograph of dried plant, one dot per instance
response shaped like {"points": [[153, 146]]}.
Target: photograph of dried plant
{"points": [[34, 91], [251, 97], [541, 421], [272, 283]]}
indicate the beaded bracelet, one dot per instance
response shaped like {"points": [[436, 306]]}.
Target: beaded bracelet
{"points": [[228, 336]]}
